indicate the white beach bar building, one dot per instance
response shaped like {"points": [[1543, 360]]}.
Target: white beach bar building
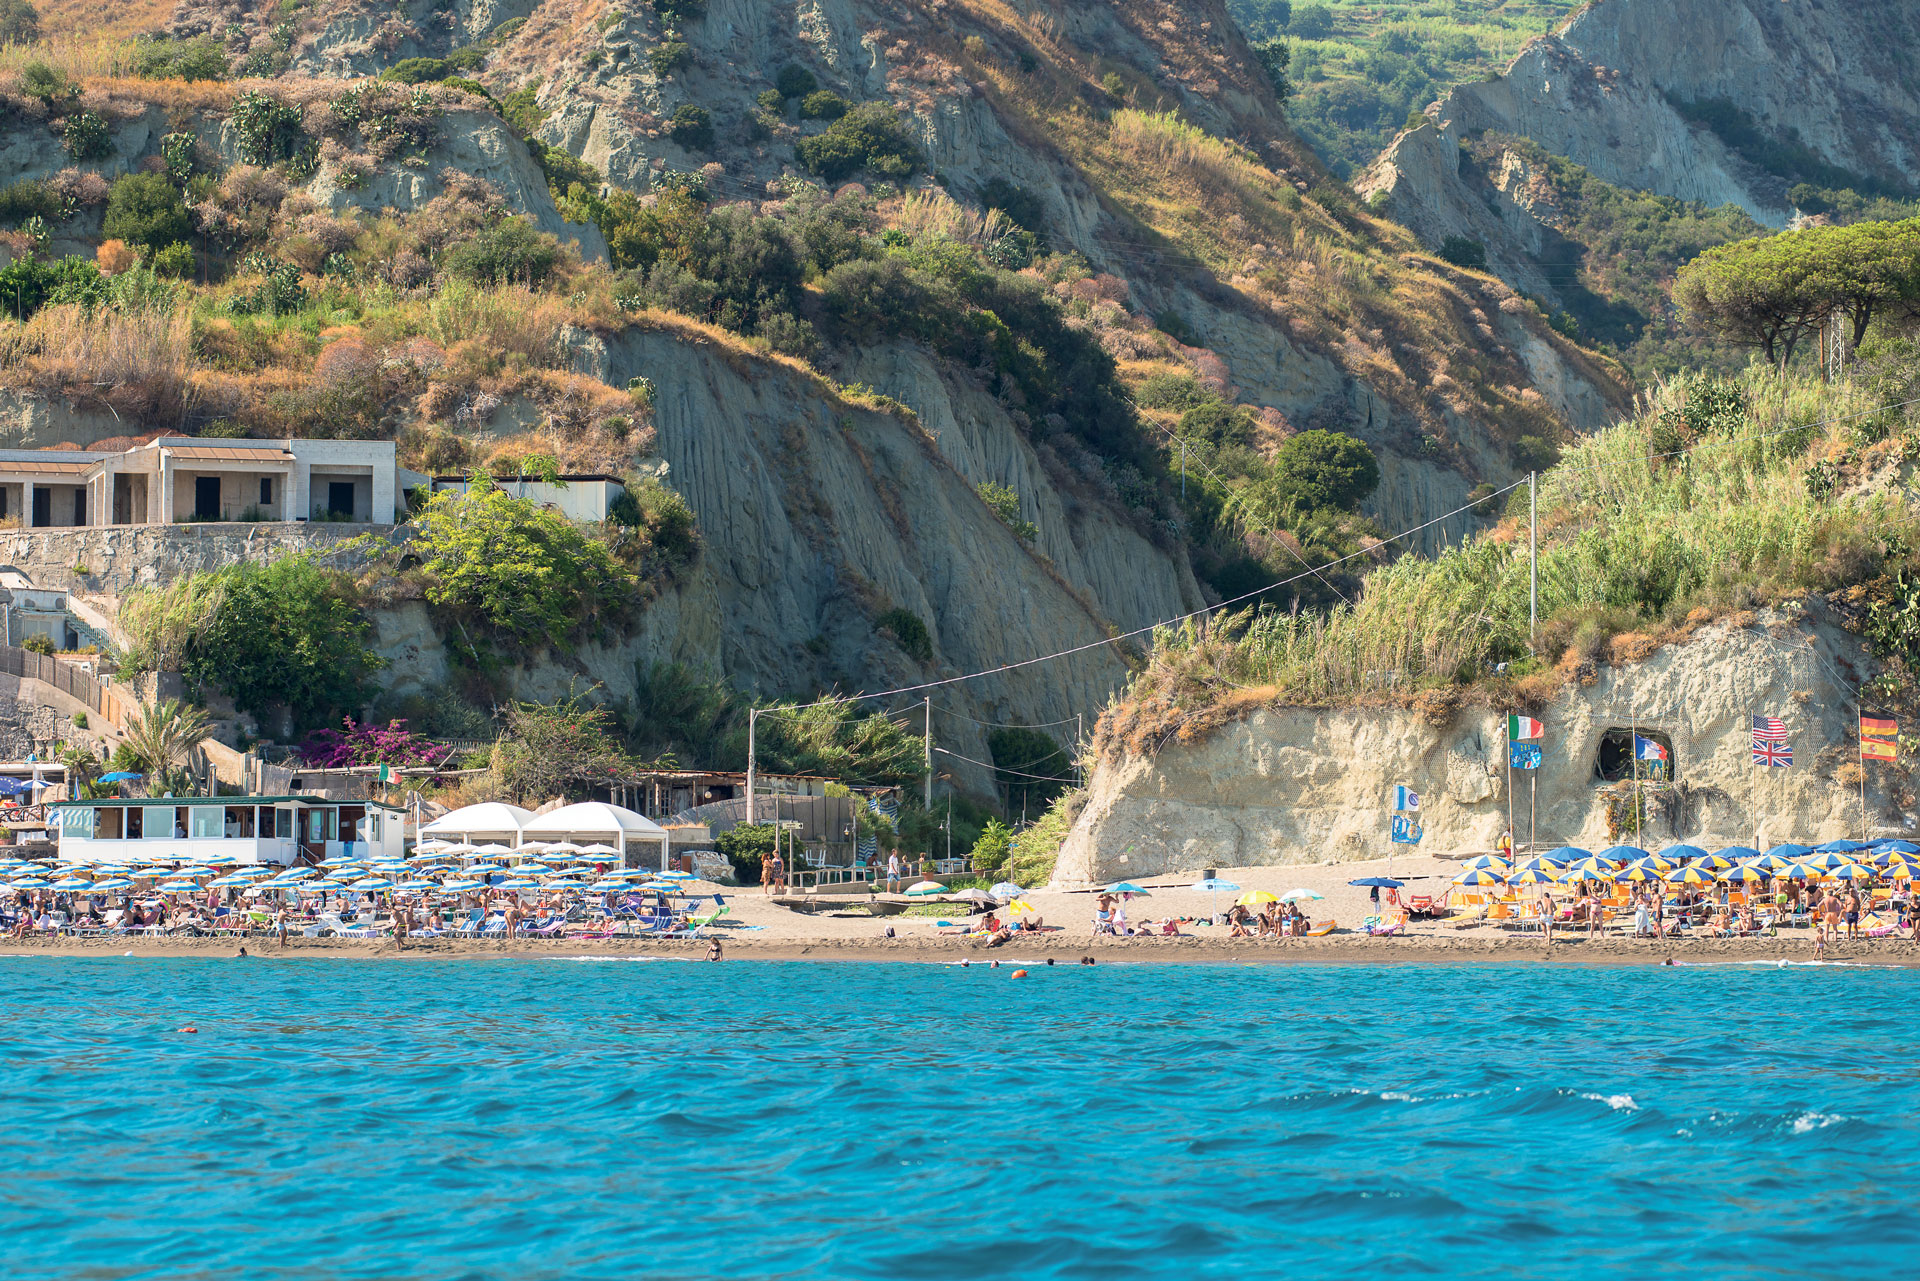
{"points": [[219, 830], [598, 823], [489, 823]]}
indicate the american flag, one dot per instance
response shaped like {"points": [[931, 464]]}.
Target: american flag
{"points": [[1770, 746]]}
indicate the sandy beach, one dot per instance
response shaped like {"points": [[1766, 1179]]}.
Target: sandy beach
{"points": [[759, 929]]}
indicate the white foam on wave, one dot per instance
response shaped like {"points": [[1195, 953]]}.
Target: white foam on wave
{"points": [[1808, 1122], [1618, 1102]]}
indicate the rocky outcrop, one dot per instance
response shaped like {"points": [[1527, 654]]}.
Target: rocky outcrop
{"points": [[1603, 92], [1299, 786]]}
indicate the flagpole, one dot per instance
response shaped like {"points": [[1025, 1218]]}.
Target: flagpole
{"points": [[1510, 823], [1633, 757], [1860, 743]]}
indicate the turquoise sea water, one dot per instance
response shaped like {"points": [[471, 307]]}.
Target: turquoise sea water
{"points": [[562, 1118]]}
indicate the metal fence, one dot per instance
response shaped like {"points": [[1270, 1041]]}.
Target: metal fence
{"points": [[68, 679]]}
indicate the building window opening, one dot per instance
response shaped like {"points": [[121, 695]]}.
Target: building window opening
{"points": [[1614, 762]]}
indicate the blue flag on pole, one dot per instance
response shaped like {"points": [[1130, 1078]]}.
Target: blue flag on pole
{"points": [[1405, 830], [1405, 798], [1524, 756]]}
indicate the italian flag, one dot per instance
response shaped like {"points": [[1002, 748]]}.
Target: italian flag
{"points": [[1519, 727]]}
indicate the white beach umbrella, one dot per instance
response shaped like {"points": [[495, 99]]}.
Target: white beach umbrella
{"points": [[925, 888], [599, 849], [1301, 895], [495, 850]]}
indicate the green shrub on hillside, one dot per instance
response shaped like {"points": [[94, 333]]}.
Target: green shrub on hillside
{"points": [[146, 209], [414, 71], [281, 634], [29, 198], [1036, 847], [908, 631], [267, 129], [691, 127], [1003, 501], [823, 105], [669, 56], [506, 250], [165, 58], [53, 87], [795, 82], [867, 137], [86, 136], [511, 567], [19, 22], [28, 284]]}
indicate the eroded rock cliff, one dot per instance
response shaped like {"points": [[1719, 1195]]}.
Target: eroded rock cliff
{"points": [[1300, 786], [1612, 92]]}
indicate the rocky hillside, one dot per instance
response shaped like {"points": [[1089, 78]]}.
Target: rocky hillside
{"points": [[1142, 137], [1644, 132], [1712, 101]]}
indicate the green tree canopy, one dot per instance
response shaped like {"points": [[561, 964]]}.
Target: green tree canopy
{"points": [[1773, 292], [1319, 470]]}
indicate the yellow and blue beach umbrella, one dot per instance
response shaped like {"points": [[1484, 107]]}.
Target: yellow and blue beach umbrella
{"points": [[1854, 872], [1827, 859], [1486, 863], [1480, 876], [1746, 872], [1714, 862], [1800, 872], [1544, 875], [1543, 863], [1622, 854], [1645, 870], [1692, 874]]}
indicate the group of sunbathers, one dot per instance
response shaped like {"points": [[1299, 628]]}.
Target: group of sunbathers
{"points": [[1275, 921]]}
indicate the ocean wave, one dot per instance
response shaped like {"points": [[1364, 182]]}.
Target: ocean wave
{"points": [[613, 958], [1618, 1102]]}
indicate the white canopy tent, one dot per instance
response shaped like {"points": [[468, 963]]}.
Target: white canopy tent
{"points": [[598, 823], [490, 823]]}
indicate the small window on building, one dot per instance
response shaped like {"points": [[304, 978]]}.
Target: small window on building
{"points": [[1615, 759], [266, 490], [208, 822], [283, 824]]}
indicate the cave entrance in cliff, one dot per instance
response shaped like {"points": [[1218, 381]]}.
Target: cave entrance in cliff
{"points": [[1614, 761]]}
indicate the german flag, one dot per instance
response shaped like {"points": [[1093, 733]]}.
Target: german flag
{"points": [[1879, 739]]}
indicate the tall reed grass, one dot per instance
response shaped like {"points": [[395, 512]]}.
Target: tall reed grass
{"points": [[1628, 543]]}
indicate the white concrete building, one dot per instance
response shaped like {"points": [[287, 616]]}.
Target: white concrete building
{"points": [[218, 830], [580, 498], [180, 478]]}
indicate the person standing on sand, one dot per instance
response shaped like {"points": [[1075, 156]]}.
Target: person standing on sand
{"points": [[1854, 908], [766, 875], [893, 872], [1547, 909]]}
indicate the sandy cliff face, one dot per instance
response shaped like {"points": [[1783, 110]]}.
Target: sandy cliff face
{"points": [[1299, 786], [1602, 93], [817, 516]]}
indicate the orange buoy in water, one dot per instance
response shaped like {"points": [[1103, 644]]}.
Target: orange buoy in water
{"points": [[1019, 974], [189, 1028]]}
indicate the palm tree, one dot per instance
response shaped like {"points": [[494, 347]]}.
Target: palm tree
{"points": [[162, 734]]}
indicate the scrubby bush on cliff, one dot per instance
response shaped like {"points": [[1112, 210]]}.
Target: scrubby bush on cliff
{"points": [[19, 22], [287, 634], [867, 137], [145, 209], [514, 569], [165, 58], [508, 249]]}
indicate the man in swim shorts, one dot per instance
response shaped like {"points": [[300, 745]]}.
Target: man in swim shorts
{"points": [[1853, 913]]}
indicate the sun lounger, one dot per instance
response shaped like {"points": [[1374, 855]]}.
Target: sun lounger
{"points": [[1325, 927]]}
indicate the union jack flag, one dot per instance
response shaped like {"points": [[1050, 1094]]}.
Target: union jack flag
{"points": [[1770, 746]]}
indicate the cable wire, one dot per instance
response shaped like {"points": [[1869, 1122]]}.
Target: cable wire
{"points": [[1001, 769]]}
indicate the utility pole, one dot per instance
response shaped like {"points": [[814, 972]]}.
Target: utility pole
{"points": [[753, 717], [1079, 745], [1533, 561], [926, 752]]}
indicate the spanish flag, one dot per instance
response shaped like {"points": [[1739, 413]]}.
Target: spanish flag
{"points": [[1879, 739]]}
